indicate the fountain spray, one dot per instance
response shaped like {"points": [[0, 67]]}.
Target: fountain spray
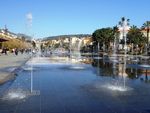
{"points": [[124, 28], [29, 18]]}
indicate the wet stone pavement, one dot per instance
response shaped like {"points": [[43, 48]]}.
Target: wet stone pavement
{"points": [[9, 64], [57, 88]]}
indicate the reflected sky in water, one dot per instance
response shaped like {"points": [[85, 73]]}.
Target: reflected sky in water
{"points": [[86, 85]]}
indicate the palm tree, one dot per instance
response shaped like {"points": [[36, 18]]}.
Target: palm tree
{"points": [[146, 26], [136, 37], [123, 24]]}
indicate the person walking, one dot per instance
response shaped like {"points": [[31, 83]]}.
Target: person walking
{"points": [[16, 51]]}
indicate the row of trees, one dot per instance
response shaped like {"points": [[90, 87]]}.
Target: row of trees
{"points": [[106, 36], [21, 42], [15, 43]]}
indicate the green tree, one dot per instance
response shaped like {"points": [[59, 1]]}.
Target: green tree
{"points": [[146, 26], [136, 37], [15, 43], [103, 36]]}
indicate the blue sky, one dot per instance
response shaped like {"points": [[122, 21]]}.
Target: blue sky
{"points": [[59, 17]]}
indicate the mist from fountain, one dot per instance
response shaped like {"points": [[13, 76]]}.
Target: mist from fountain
{"points": [[98, 54], [120, 86], [39, 51], [114, 55], [16, 94], [75, 47], [75, 54], [146, 52], [132, 50], [114, 47], [79, 48], [117, 88]]}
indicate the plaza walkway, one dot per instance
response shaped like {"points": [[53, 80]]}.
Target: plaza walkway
{"points": [[9, 63]]}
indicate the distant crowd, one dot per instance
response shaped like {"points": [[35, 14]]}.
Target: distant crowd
{"points": [[15, 51]]}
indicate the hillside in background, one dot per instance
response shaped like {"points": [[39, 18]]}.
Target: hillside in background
{"points": [[66, 36]]}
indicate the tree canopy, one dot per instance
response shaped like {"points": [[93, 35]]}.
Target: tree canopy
{"points": [[135, 36], [103, 35]]}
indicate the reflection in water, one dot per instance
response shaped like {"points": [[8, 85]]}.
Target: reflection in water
{"points": [[113, 69], [60, 87], [117, 73]]}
